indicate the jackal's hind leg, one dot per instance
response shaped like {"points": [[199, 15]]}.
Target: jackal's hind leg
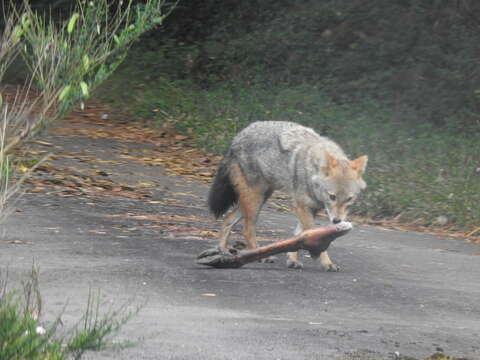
{"points": [[251, 206], [250, 200], [230, 220]]}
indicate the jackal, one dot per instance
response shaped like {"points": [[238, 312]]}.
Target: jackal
{"points": [[278, 155]]}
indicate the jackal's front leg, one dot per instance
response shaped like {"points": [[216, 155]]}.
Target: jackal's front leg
{"points": [[326, 263], [306, 220], [292, 257]]}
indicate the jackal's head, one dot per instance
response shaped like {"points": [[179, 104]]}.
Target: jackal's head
{"points": [[339, 183]]}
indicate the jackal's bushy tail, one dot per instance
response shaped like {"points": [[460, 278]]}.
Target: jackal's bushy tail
{"points": [[222, 193]]}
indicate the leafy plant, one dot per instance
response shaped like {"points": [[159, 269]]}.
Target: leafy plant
{"points": [[66, 60], [13, 117], [23, 337]]}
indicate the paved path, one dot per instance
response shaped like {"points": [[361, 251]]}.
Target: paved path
{"points": [[398, 292]]}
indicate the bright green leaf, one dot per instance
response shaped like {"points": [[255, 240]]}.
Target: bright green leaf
{"points": [[86, 62], [84, 87], [25, 20], [64, 92], [72, 22], [17, 31]]}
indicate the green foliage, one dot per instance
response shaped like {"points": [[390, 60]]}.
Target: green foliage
{"points": [[66, 60], [94, 330], [19, 338], [70, 59], [415, 56], [9, 38], [22, 337]]}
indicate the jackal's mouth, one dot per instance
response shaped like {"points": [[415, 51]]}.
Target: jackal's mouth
{"points": [[344, 226]]}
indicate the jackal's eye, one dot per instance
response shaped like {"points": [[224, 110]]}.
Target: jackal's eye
{"points": [[333, 197], [350, 198]]}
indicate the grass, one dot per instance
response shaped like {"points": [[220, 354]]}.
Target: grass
{"points": [[416, 173], [23, 337]]}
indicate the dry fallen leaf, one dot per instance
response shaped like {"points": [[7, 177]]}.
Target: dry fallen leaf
{"points": [[40, 142], [98, 232], [18, 242]]}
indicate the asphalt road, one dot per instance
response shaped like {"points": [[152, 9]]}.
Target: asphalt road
{"points": [[398, 293]]}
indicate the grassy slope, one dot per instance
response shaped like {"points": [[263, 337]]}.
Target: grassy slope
{"points": [[416, 170]]}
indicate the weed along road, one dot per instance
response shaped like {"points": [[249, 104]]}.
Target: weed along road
{"points": [[121, 209]]}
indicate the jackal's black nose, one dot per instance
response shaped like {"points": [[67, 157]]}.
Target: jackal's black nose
{"points": [[336, 220]]}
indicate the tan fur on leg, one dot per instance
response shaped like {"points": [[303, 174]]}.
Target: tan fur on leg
{"points": [[306, 220], [250, 201], [326, 263], [230, 220]]}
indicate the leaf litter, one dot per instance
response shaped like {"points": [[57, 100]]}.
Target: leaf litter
{"points": [[69, 182]]}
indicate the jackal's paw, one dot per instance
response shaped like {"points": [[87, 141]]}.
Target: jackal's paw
{"points": [[268, 260], [330, 267], [294, 264]]}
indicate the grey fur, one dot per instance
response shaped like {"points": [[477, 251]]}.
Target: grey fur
{"points": [[286, 156]]}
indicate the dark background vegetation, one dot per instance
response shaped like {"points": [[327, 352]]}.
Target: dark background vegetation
{"points": [[419, 57], [397, 80]]}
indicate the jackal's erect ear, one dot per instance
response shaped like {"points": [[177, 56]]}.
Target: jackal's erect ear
{"points": [[331, 163], [359, 164]]}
